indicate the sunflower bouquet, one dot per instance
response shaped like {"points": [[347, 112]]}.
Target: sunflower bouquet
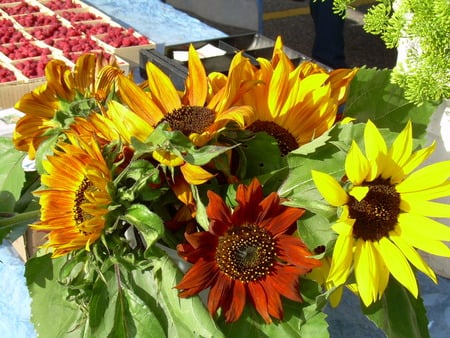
{"points": [[241, 205]]}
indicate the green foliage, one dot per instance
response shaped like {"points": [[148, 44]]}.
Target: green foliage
{"points": [[398, 313], [17, 207], [424, 75]]}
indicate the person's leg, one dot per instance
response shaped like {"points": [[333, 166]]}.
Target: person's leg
{"points": [[328, 46]]}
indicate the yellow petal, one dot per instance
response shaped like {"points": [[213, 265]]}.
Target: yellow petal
{"points": [[196, 82], [341, 261], [413, 256], [401, 149], [278, 88], [356, 165], [439, 191], [426, 208], [138, 101], [373, 141], [195, 174], [398, 265], [424, 227], [366, 271], [131, 125], [162, 89], [426, 177], [417, 158], [359, 192], [329, 188], [167, 158], [431, 246]]}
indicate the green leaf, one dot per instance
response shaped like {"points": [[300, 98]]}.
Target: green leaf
{"points": [[12, 176], [52, 315], [179, 144], [398, 313], [185, 317], [373, 96], [261, 156], [147, 222]]}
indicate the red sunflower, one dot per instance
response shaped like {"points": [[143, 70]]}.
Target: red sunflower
{"points": [[248, 253]]}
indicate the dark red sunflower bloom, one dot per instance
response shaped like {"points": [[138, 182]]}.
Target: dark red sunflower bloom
{"points": [[247, 254]]}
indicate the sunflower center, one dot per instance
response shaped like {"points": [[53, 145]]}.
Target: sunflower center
{"points": [[286, 141], [190, 119], [377, 213], [79, 214], [246, 253]]}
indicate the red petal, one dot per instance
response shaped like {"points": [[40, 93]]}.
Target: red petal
{"points": [[237, 302], [248, 198], [283, 221], [273, 299], [285, 280], [218, 213], [199, 277], [219, 293], [293, 251], [259, 299], [201, 239]]}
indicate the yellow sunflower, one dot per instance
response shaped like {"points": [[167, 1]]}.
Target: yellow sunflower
{"points": [[91, 78], [294, 105], [386, 210], [75, 198], [204, 108]]}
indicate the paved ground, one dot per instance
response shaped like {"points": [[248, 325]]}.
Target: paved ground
{"points": [[291, 20]]}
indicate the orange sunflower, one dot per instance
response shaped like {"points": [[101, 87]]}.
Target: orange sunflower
{"points": [[51, 106], [204, 108], [75, 198], [295, 105], [247, 253]]}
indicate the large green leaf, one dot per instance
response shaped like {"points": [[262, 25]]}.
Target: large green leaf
{"points": [[184, 317], [12, 176], [398, 313], [52, 315], [373, 96], [147, 222]]}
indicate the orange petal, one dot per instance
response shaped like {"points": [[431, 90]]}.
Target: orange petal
{"points": [[196, 82], [195, 174]]}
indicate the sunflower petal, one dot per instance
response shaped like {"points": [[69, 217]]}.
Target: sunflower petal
{"points": [[196, 82], [342, 260], [195, 174], [237, 305], [356, 165], [424, 227], [329, 188], [398, 265], [426, 177], [413, 256], [366, 271], [162, 89], [401, 149]]}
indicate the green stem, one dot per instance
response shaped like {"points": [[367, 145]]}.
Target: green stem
{"points": [[14, 219]]}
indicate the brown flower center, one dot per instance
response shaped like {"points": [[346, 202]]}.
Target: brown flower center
{"points": [[286, 141], [246, 253], [190, 119], [79, 215], [377, 213]]}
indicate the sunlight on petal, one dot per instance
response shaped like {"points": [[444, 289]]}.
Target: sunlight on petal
{"points": [[329, 188], [413, 256], [341, 261], [356, 165], [424, 227], [429, 176], [398, 265], [195, 174]]}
